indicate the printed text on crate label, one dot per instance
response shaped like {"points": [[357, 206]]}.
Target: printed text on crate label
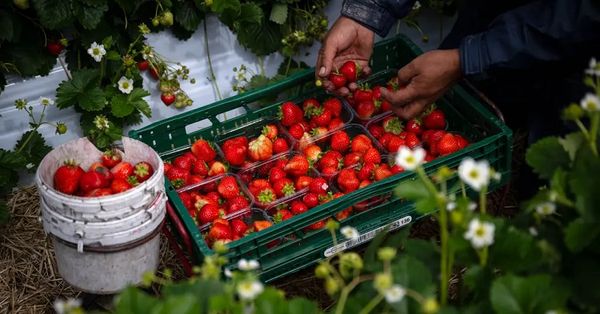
{"points": [[367, 236]]}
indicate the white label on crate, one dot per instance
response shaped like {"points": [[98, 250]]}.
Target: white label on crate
{"points": [[367, 236]]}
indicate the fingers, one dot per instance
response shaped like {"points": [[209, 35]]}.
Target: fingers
{"points": [[400, 97], [407, 73], [325, 60], [411, 110]]}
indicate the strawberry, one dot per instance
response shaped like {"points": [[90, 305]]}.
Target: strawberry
{"points": [[461, 141], [351, 71], [235, 154], [334, 105], [296, 131], [361, 143], [200, 168], [166, 166], [376, 92], [435, 120], [396, 169], [297, 165], [290, 114], [302, 182], [237, 203], [258, 185], [317, 225], [260, 148], [312, 153], [216, 168], [365, 109], [238, 227], [99, 192], [122, 170], [167, 98], [228, 188], [372, 155], [376, 130], [111, 158], [220, 232], [318, 132], [340, 141], [281, 215], [276, 174], [119, 185], [304, 141], [143, 65], [154, 72], [385, 106], [364, 183], [280, 145], [103, 170], [447, 145], [382, 172], [177, 176], [310, 103], [366, 171], [298, 207], [329, 161], [266, 196], [143, 171], [237, 141], [338, 80], [311, 200], [208, 213], [186, 200], [284, 187], [92, 180], [392, 124], [336, 123], [270, 131], [411, 140], [320, 117], [344, 214], [183, 162], [363, 94], [394, 144], [54, 48], [414, 126], [260, 225], [328, 171], [318, 186], [347, 180], [213, 197], [203, 150]]}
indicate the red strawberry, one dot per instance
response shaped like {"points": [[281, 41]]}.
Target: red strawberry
{"points": [[177, 176], [297, 165], [217, 168], [260, 148], [435, 120], [338, 80], [347, 180], [351, 71], [385, 106], [340, 141], [266, 196], [376, 130], [311, 200], [122, 170], [344, 214], [119, 185], [290, 114], [208, 213], [411, 140], [54, 48], [310, 103], [298, 207], [183, 162], [280, 145], [396, 169], [317, 225], [143, 171], [203, 150], [281, 215], [220, 232], [461, 141], [284, 187], [366, 171], [328, 172], [238, 227], [270, 131], [103, 170], [312, 153], [99, 192], [111, 158], [237, 141], [365, 109], [335, 123], [376, 92], [200, 168], [143, 65], [361, 143], [372, 155], [258, 185], [382, 172], [414, 126], [213, 197], [334, 105], [385, 139], [260, 225], [92, 180], [167, 98], [186, 200], [302, 182], [318, 186], [235, 154], [351, 159], [318, 132], [166, 166], [320, 117], [392, 124], [153, 72], [394, 144], [447, 145], [276, 174], [228, 188], [237, 203], [363, 94], [296, 131], [329, 161]]}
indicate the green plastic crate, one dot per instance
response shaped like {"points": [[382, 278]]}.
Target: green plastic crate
{"points": [[297, 248]]}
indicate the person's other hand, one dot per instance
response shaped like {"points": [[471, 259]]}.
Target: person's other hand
{"points": [[346, 40], [423, 81]]}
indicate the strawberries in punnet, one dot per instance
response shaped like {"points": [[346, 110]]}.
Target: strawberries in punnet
{"points": [[290, 114], [447, 144], [435, 119], [298, 207], [178, 177], [340, 141], [203, 150], [280, 145], [260, 148], [347, 180], [334, 105], [228, 187], [297, 165]]}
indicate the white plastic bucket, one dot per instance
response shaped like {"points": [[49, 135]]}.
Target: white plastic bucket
{"points": [[103, 244]]}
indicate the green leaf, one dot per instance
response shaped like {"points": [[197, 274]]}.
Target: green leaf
{"points": [[92, 100], [222, 6], [571, 143], [113, 55], [579, 234], [180, 304], [538, 157], [7, 29], [478, 279], [82, 88], [54, 14], [261, 39], [270, 301], [302, 306], [534, 294], [279, 13], [188, 16], [11, 159], [515, 250], [8, 180], [584, 183], [409, 272], [415, 190], [120, 106], [250, 13], [203, 290], [28, 56], [132, 300], [426, 252], [89, 16], [33, 148]]}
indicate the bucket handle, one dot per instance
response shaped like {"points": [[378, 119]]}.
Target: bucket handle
{"points": [[180, 228]]}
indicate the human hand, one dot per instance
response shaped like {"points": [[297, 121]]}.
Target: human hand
{"points": [[423, 81], [346, 40]]}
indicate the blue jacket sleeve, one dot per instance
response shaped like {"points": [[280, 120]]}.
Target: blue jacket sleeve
{"points": [[377, 15], [540, 31]]}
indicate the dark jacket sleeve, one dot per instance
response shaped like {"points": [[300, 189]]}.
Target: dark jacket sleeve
{"points": [[540, 31], [377, 15]]}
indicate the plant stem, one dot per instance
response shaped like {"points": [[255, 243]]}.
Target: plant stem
{"points": [[482, 199], [213, 78], [583, 129], [261, 64], [595, 121], [463, 189], [62, 64], [287, 68], [371, 305], [345, 292], [483, 257]]}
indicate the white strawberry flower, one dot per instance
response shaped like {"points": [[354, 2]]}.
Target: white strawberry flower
{"points": [[248, 265], [476, 174], [546, 208], [350, 232], [533, 231], [125, 85], [249, 290], [101, 122], [394, 294], [45, 101], [594, 68], [450, 206], [410, 159], [416, 5], [480, 233], [68, 306], [96, 51], [472, 206], [227, 272], [590, 103]]}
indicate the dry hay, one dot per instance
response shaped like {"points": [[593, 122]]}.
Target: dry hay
{"points": [[29, 278]]}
